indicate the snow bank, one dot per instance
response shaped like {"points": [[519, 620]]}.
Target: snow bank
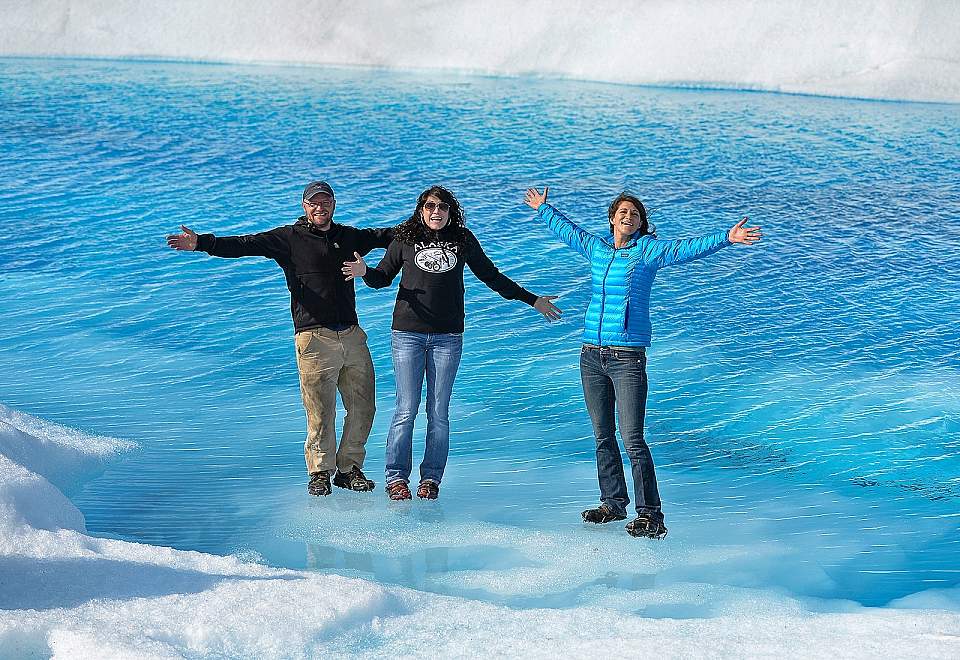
{"points": [[62, 455], [889, 49], [65, 594]]}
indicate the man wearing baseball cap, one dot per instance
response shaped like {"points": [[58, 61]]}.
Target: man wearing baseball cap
{"points": [[331, 346]]}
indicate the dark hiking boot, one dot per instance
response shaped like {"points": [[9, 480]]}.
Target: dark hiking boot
{"points": [[428, 490], [399, 490], [646, 527], [355, 479], [319, 483], [602, 514]]}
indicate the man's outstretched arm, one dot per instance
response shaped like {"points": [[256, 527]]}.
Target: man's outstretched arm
{"points": [[272, 244]]}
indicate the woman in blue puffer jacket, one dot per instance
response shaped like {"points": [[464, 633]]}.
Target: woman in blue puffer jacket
{"points": [[616, 333]]}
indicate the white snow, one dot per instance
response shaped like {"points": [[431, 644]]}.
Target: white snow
{"points": [[881, 49], [65, 594]]}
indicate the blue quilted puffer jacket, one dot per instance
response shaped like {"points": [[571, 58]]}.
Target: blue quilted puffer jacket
{"points": [[619, 311]]}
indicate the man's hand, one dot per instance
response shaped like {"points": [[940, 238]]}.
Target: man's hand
{"points": [[550, 311], [746, 235], [354, 269], [534, 199], [185, 241]]}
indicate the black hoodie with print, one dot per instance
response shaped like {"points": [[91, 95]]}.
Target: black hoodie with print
{"points": [[430, 297]]}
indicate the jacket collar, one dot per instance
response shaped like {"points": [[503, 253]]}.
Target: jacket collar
{"points": [[631, 243], [309, 226]]}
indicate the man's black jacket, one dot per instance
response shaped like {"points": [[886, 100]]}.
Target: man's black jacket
{"points": [[311, 261]]}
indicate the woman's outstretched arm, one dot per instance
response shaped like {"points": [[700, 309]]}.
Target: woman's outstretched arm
{"points": [[489, 274], [667, 253], [566, 230]]}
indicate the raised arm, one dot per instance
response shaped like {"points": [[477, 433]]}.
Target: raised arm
{"points": [[667, 253], [489, 274], [272, 244], [566, 230]]}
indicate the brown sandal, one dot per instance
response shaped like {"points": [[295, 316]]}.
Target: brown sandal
{"points": [[428, 490], [399, 490]]}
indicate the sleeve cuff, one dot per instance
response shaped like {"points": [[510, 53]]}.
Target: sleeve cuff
{"points": [[373, 279], [205, 242], [527, 297]]}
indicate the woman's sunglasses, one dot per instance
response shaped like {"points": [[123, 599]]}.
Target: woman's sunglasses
{"points": [[430, 206]]}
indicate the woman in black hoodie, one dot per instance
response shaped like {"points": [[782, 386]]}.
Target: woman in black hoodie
{"points": [[431, 248]]}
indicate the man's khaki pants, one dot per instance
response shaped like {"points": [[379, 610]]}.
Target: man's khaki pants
{"points": [[329, 361]]}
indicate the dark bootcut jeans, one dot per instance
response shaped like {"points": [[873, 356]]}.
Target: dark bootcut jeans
{"points": [[617, 378]]}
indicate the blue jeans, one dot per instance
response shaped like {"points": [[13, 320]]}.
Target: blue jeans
{"points": [[415, 354], [611, 378]]}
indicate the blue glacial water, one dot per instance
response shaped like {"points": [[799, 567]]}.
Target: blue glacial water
{"points": [[805, 394]]}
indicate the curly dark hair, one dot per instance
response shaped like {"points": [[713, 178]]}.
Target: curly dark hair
{"points": [[627, 197], [412, 230]]}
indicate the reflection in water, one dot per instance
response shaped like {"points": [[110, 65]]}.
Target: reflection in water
{"points": [[415, 569], [627, 581], [425, 569]]}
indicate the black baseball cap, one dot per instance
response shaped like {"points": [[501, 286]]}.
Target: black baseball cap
{"points": [[317, 188]]}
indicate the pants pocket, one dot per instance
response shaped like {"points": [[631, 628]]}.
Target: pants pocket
{"points": [[302, 341]]}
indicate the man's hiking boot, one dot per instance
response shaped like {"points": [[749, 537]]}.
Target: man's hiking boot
{"points": [[428, 490], [355, 479], [399, 490], [646, 527], [319, 483], [602, 514]]}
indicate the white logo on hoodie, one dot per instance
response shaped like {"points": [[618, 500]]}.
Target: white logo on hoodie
{"points": [[436, 257]]}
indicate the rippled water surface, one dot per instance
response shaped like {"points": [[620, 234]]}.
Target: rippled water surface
{"points": [[805, 394]]}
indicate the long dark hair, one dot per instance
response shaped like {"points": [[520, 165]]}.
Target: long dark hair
{"points": [[412, 230], [644, 228]]}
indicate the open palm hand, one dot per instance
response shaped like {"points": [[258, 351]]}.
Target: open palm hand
{"points": [[745, 235]]}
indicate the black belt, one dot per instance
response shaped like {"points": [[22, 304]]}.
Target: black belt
{"points": [[632, 349]]}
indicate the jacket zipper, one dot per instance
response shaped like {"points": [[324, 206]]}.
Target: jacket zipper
{"points": [[336, 295], [603, 296]]}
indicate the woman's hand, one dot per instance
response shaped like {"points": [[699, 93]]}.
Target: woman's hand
{"points": [[746, 235], [534, 199], [354, 269], [185, 241], [543, 305]]}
